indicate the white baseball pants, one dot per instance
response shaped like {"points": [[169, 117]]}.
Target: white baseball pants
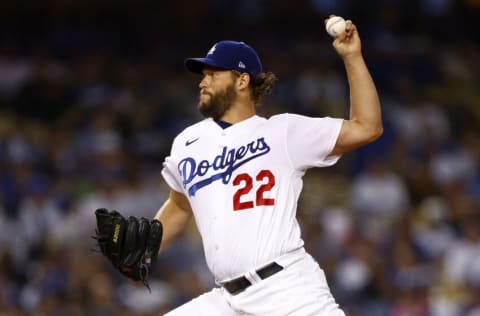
{"points": [[300, 289]]}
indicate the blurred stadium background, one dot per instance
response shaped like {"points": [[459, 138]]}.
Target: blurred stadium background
{"points": [[93, 92]]}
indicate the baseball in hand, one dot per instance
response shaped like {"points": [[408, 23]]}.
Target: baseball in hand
{"points": [[335, 26]]}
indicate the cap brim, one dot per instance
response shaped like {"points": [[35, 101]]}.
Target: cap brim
{"points": [[196, 65]]}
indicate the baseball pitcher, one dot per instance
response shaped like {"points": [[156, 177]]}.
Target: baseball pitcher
{"points": [[239, 176]]}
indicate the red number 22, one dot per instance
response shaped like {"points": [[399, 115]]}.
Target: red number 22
{"points": [[247, 181]]}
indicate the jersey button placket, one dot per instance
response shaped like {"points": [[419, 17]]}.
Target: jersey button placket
{"points": [[223, 143], [215, 222], [223, 139]]}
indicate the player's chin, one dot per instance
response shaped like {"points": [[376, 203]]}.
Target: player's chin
{"points": [[204, 100], [203, 105]]}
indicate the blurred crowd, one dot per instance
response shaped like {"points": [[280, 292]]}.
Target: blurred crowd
{"points": [[92, 94]]}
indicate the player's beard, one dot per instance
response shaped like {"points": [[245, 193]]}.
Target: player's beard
{"points": [[219, 103]]}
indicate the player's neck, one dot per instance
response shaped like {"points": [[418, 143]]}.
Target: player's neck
{"points": [[238, 113]]}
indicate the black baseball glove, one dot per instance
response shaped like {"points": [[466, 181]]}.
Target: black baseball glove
{"points": [[131, 244]]}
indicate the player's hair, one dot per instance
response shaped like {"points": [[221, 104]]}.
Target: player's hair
{"points": [[260, 85]]}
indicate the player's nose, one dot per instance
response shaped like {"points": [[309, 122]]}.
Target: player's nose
{"points": [[203, 83]]}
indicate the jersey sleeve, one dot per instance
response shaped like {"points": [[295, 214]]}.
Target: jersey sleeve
{"points": [[311, 140], [170, 172]]}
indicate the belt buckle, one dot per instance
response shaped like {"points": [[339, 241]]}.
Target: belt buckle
{"points": [[240, 284]]}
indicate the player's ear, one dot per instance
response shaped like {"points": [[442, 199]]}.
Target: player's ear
{"points": [[243, 81]]}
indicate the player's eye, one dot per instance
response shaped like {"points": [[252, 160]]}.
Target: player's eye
{"points": [[207, 76]]}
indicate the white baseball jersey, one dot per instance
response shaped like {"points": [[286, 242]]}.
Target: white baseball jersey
{"points": [[243, 184]]}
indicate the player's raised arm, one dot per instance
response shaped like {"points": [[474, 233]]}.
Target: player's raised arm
{"points": [[174, 215], [365, 122]]}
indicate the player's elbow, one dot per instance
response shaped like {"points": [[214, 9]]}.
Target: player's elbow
{"points": [[354, 135], [369, 135], [365, 130], [374, 133], [368, 131]]}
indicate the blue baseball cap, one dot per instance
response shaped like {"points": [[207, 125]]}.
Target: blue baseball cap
{"points": [[230, 55]]}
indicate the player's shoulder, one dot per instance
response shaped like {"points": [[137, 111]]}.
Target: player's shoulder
{"points": [[282, 118], [299, 121], [294, 117], [287, 116]]}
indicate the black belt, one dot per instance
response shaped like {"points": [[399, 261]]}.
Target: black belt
{"points": [[238, 285]]}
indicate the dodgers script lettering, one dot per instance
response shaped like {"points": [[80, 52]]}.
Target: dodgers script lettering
{"points": [[225, 163]]}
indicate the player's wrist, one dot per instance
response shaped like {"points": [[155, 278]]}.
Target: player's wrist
{"points": [[353, 58]]}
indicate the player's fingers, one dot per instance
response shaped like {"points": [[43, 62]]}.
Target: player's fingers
{"points": [[347, 35], [340, 38], [349, 26]]}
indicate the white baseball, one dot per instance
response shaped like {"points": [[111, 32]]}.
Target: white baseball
{"points": [[335, 26]]}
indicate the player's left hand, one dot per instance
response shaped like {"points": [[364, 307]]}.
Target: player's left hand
{"points": [[131, 244], [348, 43]]}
